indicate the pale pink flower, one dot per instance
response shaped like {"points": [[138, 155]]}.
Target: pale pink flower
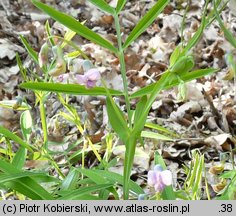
{"points": [[89, 78], [159, 178], [63, 78]]}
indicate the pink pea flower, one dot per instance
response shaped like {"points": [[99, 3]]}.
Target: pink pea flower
{"points": [[89, 78], [159, 178], [63, 78]]}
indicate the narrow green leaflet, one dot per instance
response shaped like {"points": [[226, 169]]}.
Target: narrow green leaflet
{"points": [[48, 30], [8, 134], [196, 37], [160, 128], [21, 67], [10, 177], [25, 185], [68, 37], [13, 104], [19, 158], [228, 35], [153, 135], [30, 50], [68, 88], [229, 174], [75, 26], [111, 177], [117, 119], [148, 18], [120, 5], [26, 124], [77, 194], [198, 177], [69, 183], [103, 6], [139, 108], [184, 77], [175, 55]]}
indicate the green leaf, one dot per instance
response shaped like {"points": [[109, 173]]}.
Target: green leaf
{"points": [[26, 185], [128, 162], [184, 77], [168, 193], [120, 5], [148, 18], [26, 124], [153, 135], [139, 109], [21, 67], [75, 26], [48, 30], [77, 194], [159, 128], [8, 134], [70, 181], [131, 142], [228, 35], [117, 119], [68, 88], [15, 176], [198, 177], [175, 55], [103, 176], [101, 4], [13, 104], [68, 37], [229, 174], [19, 158], [29, 49], [198, 34]]}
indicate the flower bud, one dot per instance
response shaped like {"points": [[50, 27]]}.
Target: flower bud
{"points": [[216, 169], [183, 64], [60, 65], [43, 55]]}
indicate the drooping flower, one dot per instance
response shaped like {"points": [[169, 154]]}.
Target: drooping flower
{"points": [[89, 78], [43, 55], [60, 65], [159, 178]]}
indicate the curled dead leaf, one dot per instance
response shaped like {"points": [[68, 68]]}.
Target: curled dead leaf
{"points": [[222, 141]]}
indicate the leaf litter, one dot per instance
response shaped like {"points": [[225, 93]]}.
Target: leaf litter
{"points": [[194, 118]]}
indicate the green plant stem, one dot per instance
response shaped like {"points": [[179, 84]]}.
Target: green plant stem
{"points": [[121, 57], [183, 22], [44, 123]]}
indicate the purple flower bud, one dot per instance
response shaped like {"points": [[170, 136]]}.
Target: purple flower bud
{"points": [[89, 79], [142, 196], [159, 178]]}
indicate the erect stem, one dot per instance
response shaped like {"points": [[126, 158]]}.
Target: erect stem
{"points": [[44, 122], [121, 57]]}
